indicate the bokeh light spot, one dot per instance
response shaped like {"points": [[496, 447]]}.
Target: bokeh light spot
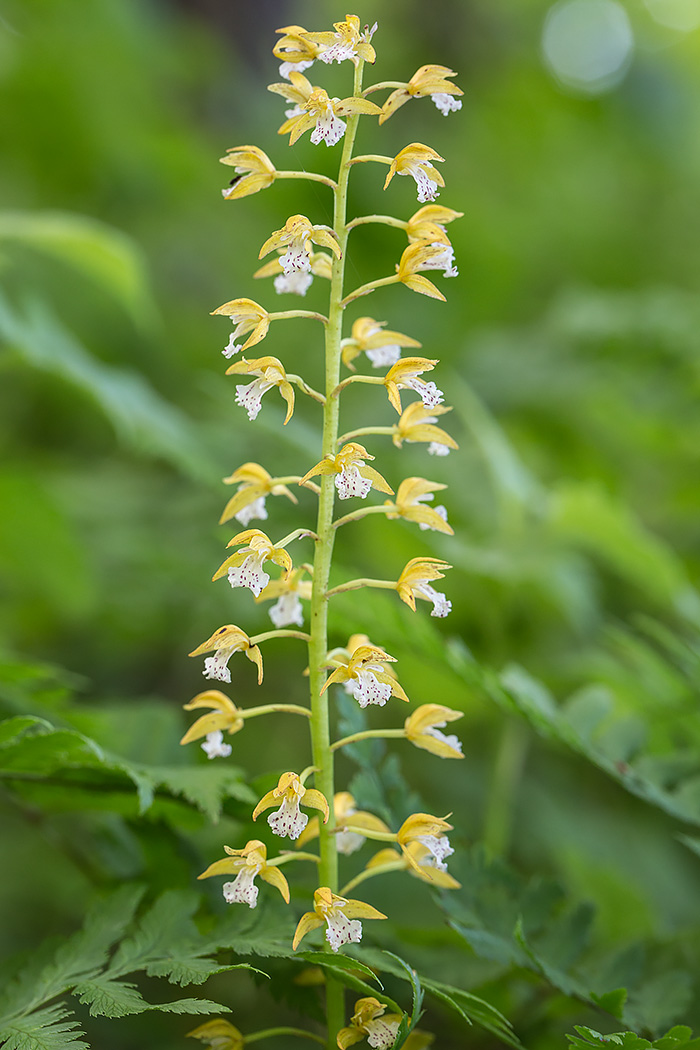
{"points": [[683, 15], [588, 44]]}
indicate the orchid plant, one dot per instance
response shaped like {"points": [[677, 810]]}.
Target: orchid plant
{"points": [[301, 591]]}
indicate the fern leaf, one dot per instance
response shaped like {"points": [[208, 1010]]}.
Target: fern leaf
{"points": [[53, 1028]]}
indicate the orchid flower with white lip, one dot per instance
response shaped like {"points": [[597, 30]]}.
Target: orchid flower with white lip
{"points": [[254, 171], [254, 486], [437, 448], [299, 282], [315, 109], [225, 642], [428, 80], [352, 476], [429, 831], [416, 160], [296, 51], [245, 567], [414, 582], [288, 820], [247, 316], [410, 504], [269, 372], [382, 347], [406, 375], [297, 235], [347, 42], [371, 1022], [367, 676], [345, 812], [340, 915], [417, 424], [246, 864]]}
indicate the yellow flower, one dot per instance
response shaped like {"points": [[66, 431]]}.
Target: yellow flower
{"points": [[352, 476], [428, 80], [270, 372], [288, 590], [297, 235], [345, 813], [428, 223], [254, 485], [421, 255], [224, 643], [346, 42], [313, 108], [417, 423], [382, 347], [254, 171], [414, 582], [369, 1020], [427, 831], [419, 1040], [406, 375], [289, 820], [340, 916], [247, 316], [299, 282], [223, 714], [218, 1035], [246, 864], [410, 505], [423, 727], [420, 865], [297, 53], [367, 678], [245, 567], [416, 160]]}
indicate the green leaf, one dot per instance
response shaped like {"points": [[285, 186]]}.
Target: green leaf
{"points": [[339, 963], [101, 252], [110, 998], [53, 1028]]}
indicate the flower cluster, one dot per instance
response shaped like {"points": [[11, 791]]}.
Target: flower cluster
{"points": [[297, 591]]}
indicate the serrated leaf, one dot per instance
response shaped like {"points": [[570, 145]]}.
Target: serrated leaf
{"points": [[110, 998], [53, 1028], [194, 970]]}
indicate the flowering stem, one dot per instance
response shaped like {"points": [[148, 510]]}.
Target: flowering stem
{"points": [[288, 855], [369, 873], [380, 836], [361, 431], [283, 315], [355, 585], [374, 380], [282, 633], [372, 156], [363, 512], [267, 1032], [311, 175], [298, 381], [386, 220], [394, 84], [367, 734], [264, 709], [318, 645], [365, 289]]}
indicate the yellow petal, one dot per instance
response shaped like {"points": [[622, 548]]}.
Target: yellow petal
{"points": [[268, 800], [309, 921], [314, 799], [420, 284], [273, 875]]}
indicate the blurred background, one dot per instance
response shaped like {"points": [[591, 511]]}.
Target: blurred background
{"points": [[568, 347]]}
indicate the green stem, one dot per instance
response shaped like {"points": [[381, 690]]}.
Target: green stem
{"points": [[361, 431], [393, 84], [280, 633], [318, 645], [267, 1032], [284, 858], [386, 220], [365, 289], [311, 315], [312, 176], [377, 157], [363, 512], [369, 873], [372, 380], [269, 709], [355, 585], [304, 386], [367, 734]]}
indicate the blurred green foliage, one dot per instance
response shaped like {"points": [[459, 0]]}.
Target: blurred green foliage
{"points": [[569, 348]]}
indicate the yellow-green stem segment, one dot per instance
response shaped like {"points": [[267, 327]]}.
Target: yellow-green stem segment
{"points": [[318, 644]]}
